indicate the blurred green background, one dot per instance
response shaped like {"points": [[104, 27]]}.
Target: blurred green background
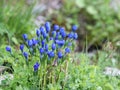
{"points": [[98, 21]]}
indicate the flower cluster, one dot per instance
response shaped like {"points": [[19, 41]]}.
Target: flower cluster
{"points": [[52, 42]]}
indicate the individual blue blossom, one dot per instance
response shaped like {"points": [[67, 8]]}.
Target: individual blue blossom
{"points": [[62, 29], [46, 47], [25, 54], [22, 47], [34, 41], [74, 28], [75, 36], [70, 35], [60, 55], [41, 50], [38, 33], [43, 43], [51, 54], [63, 34], [36, 66], [42, 29], [47, 26], [45, 35], [25, 37], [8, 48], [53, 46], [60, 42], [67, 50], [30, 43], [56, 27]]}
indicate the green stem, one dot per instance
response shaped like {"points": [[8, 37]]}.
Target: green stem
{"points": [[45, 70], [66, 74], [52, 78], [40, 81]]}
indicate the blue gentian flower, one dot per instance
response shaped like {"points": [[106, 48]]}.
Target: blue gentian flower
{"points": [[45, 35], [22, 47], [56, 27], [63, 34], [75, 36], [30, 43], [41, 50], [42, 29], [51, 54], [25, 37], [25, 55], [60, 42], [74, 28], [47, 26], [53, 46], [46, 47], [43, 43], [60, 55], [62, 29], [36, 66], [8, 48], [67, 50], [57, 35], [38, 33], [34, 41], [70, 35]]}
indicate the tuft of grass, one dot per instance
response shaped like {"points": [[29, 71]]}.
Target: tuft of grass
{"points": [[15, 18]]}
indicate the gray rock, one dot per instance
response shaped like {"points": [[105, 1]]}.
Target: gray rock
{"points": [[112, 71], [7, 77]]}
